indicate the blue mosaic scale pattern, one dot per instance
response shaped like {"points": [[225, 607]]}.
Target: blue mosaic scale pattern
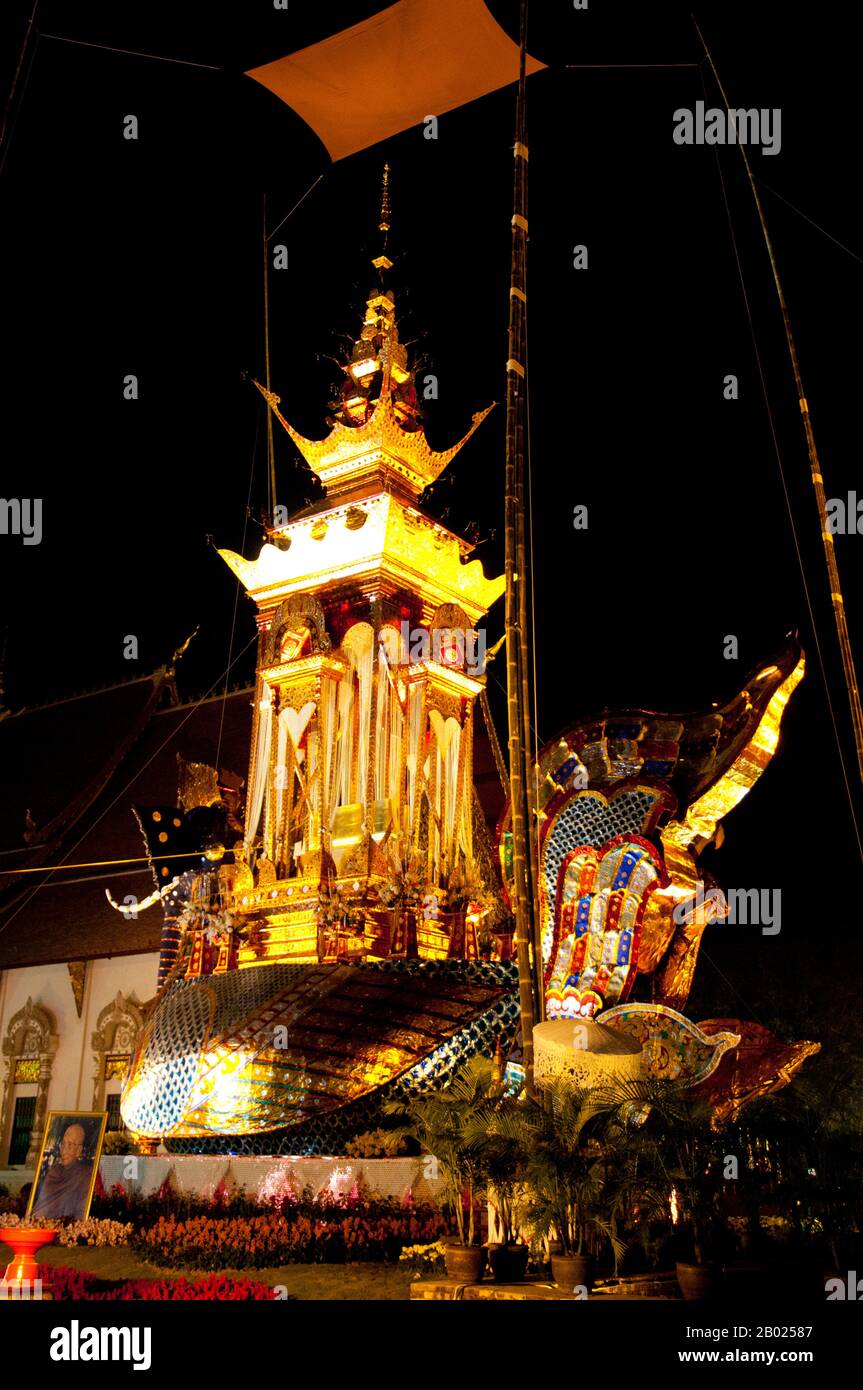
{"points": [[179, 1028], [327, 1134], [588, 819]]}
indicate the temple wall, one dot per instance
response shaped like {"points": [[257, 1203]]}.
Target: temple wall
{"points": [[71, 1070]]}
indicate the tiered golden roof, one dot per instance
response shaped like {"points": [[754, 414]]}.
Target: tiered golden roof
{"points": [[377, 441], [374, 465], [378, 453]]}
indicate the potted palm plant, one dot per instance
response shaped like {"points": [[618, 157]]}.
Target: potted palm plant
{"points": [[571, 1171], [690, 1154], [504, 1172], [585, 1171], [443, 1123], [499, 1134]]}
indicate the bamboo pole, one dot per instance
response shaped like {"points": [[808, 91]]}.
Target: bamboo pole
{"points": [[524, 559], [836, 597], [271, 457], [10, 100], [514, 571]]}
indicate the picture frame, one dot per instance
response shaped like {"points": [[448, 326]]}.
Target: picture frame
{"points": [[71, 1149]]}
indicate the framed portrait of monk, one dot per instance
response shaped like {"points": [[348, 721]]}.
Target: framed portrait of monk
{"points": [[68, 1163]]}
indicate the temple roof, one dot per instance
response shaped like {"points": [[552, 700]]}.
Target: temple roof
{"points": [[376, 543], [354, 458]]}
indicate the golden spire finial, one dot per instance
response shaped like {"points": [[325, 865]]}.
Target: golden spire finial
{"points": [[386, 211], [377, 438], [382, 262]]}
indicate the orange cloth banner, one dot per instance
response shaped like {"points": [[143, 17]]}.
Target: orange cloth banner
{"points": [[415, 59]]}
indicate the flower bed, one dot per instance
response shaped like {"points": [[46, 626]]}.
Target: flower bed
{"points": [[75, 1284], [425, 1260], [233, 1231], [328, 1233]]}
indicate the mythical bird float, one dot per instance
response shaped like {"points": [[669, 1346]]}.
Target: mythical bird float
{"points": [[627, 802], [358, 942]]}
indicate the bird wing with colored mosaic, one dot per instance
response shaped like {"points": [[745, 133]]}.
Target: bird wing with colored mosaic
{"points": [[600, 902], [668, 779]]}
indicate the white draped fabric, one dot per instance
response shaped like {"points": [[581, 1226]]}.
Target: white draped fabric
{"points": [[382, 1177], [345, 744], [327, 726], [284, 777], [381, 727], [451, 759], [396, 779], [365, 667], [360, 642], [313, 784], [262, 769], [415, 734], [465, 834]]}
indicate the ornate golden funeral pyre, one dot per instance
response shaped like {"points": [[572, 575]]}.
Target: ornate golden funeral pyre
{"points": [[364, 848]]}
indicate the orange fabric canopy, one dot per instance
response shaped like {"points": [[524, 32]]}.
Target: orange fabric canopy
{"points": [[415, 59]]}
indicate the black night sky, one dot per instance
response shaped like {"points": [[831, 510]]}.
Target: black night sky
{"points": [[144, 257]]}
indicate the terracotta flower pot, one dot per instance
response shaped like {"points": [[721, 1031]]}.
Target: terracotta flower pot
{"points": [[23, 1268], [698, 1281], [508, 1263], [572, 1271], [465, 1262]]}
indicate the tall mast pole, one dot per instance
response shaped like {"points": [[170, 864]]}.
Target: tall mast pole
{"points": [[836, 597], [10, 100], [515, 572], [526, 637], [271, 457]]}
